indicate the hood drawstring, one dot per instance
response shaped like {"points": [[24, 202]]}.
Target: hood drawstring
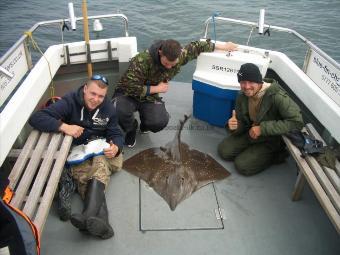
{"points": [[95, 114], [82, 114]]}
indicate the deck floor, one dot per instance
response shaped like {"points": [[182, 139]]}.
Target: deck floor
{"points": [[260, 217]]}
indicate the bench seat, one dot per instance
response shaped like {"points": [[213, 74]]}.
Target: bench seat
{"points": [[36, 172], [324, 182]]}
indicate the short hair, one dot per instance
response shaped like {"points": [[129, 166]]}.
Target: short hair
{"points": [[99, 83], [171, 49]]}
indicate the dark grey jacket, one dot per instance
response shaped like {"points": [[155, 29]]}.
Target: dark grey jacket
{"points": [[101, 122]]}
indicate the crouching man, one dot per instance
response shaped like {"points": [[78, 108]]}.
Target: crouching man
{"points": [[86, 114], [263, 113]]}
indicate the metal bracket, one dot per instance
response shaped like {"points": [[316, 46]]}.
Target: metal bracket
{"points": [[67, 55], [220, 214], [109, 50]]}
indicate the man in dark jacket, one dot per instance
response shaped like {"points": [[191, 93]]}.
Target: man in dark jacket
{"points": [[148, 75], [264, 112], [87, 114]]}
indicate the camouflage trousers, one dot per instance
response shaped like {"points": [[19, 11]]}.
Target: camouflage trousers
{"points": [[99, 168]]}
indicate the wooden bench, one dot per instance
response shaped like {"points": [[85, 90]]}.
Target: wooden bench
{"points": [[324, 182], [36, 172]]}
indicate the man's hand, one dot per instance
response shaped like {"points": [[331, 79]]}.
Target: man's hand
{"points": [[162, 87], [226, 46], [111, 151], [233, 122], [255, 132], [73, 130]]}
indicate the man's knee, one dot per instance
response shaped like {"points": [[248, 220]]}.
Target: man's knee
{"points": [[125, 107], [248, 168], [116, 163], [225, 152], [157, 124], [124, 112]]}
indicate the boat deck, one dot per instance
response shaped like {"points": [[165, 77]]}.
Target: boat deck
{"points": [[259, 216]]}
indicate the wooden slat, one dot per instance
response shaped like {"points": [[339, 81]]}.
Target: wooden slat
{"points": [[298, 188], [333, 177], [324, 181], [326, 196], [316, 187], [326, 176], [301, 163], [52, 184], [316, 135], [22, 159], [42, 175], [21, 191], [323, 198], [15, 153], [332, 174]]}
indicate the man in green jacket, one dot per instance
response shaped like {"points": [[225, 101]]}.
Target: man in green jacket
{"points": [[263, 113], [147, 76]]}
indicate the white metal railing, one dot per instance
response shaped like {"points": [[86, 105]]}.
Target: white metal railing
{"points": [[60, 22], [16, 62], [274, 28]]}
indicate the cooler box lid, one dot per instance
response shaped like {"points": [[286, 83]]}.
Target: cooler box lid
{"points": [[220, 68]]}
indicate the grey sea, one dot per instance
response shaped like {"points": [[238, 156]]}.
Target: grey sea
{"points": [[318, 21]]}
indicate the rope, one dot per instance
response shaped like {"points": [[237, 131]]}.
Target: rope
{"points": [[251, 32], [35, 45], [62, 25]]}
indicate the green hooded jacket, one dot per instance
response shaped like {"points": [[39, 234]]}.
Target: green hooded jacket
{"points": [[145, 70], [278, 114]]}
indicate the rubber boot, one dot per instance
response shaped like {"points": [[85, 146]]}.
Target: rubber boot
{"points": [[93, 200], [66, 189], [99, 226]]}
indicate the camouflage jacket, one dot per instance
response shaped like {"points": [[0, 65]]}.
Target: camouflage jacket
{"points": [[145, 70]]}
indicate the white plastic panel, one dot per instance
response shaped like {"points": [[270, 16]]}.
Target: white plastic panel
{"points": [[21, 105], [325, 75], [122, 48], [316, 100], [220, 69], [16, 64]]}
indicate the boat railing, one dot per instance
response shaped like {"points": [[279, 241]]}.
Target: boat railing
{"points": [[17, 61], [60, 22], [311, 46]]}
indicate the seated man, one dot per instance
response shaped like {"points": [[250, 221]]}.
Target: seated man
{"points": [[148, 75], [264, 112], [87, 114]]}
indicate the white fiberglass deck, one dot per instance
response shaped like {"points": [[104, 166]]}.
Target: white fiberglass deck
{"points": [[260, 217]]}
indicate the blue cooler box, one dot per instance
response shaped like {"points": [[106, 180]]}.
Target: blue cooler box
{"points": [[215, 83], [213, 104]]}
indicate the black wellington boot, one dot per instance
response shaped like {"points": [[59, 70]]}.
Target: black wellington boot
{"points": [[99, 226], [66, 188], [93, 200]]}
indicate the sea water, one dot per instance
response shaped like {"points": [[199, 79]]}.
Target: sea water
{"points": [[152, 20]]}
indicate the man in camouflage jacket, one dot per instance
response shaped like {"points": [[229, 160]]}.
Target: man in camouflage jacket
{"points": [[263, 113], [147, 76]]}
